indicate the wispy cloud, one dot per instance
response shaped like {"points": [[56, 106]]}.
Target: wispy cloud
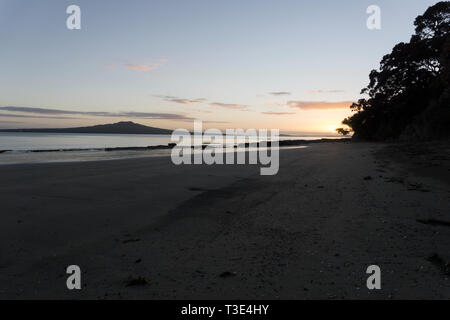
{"points": [[38, 110], [187, 101], [164, 97], [184, 101], [278, 113], [281, 93], [128, 114], [147, 66], [318, 105], [9, 122], [181, 100], [325, 91], [12, 115], [229, 105]]}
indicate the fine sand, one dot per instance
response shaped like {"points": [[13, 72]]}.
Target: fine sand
{"points": [[145, 228]]}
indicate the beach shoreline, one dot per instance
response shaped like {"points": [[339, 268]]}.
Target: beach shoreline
{"points": [[225, 232]]}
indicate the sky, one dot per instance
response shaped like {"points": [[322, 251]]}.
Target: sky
{"points": [[293, 65]]}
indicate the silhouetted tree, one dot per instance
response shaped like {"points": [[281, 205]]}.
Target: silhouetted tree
{"points": [[343, 131], [409, 95]]}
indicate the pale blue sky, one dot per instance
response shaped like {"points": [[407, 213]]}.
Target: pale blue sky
{"points": [[232, 54]]}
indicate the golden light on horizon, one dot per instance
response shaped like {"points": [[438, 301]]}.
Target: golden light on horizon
{"points": [[331, 128]]}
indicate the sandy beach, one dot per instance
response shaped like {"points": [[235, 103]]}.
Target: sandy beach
{"points": [[224, 231]]}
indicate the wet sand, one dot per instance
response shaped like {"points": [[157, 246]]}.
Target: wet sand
{"points": [[225, 232]]}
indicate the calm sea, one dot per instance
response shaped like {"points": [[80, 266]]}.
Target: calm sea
{"points": [[48, 141], [19, 143]]}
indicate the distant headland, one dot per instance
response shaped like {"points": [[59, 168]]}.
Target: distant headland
{"points": [[123, 127]]}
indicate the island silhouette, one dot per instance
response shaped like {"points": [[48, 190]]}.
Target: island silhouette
{"points": [[122, 127]]}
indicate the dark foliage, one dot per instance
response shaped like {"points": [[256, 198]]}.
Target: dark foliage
{"points": [[409, 96], [343, 131]]}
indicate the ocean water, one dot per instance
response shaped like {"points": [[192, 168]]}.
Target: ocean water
{"points": [[22, 141], [20, 145]]}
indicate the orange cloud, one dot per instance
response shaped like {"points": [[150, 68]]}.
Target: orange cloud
{"points": [[319, 105], [146, 66]]}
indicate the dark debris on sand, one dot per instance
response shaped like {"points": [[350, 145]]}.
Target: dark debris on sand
{"points": [[439, 262], [139, 281]]}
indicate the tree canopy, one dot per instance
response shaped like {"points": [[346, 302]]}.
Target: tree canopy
{"points": [[409, 96]]}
